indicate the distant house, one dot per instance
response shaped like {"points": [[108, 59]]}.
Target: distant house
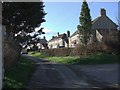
{"points": [[40, 44], [74, 39], [59, 41], [101, 27]]}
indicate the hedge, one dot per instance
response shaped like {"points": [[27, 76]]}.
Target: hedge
{"points": [[81, 50]]}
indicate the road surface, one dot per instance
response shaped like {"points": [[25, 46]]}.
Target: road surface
{"points": [[51, 75]]}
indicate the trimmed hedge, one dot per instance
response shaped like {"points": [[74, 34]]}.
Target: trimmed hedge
{"points": [[81, 50], [58, 52]]}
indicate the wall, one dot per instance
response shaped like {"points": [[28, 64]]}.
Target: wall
{"points": [[55, 43], [73, 39]]}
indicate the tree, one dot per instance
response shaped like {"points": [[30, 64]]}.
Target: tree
{"points": [[85, 23], [22, 18]]}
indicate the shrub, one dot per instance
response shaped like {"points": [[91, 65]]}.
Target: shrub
{"points": [[90, 49], [11, 53], [112, 41], [57, 52]]}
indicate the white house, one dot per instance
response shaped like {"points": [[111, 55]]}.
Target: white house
{"points": [[59, 41]]}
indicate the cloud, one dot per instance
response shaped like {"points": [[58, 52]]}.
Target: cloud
{"points": [[46, 30]]}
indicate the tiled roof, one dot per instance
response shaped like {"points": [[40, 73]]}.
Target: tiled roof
{"points": [[101, 24], [96, 19], [76, 32]]}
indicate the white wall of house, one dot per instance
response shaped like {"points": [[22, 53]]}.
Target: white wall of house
{"points": [[74, 40], [40, 46], [56, 43], [98, 36]]}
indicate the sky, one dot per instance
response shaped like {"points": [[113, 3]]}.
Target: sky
{"points": [[64, 16]]}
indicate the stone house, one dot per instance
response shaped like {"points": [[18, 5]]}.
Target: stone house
{"points": [[102, 26], [59, 41]]}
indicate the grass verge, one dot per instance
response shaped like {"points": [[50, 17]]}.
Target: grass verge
{"points": [[17, 76], [92, 59]]}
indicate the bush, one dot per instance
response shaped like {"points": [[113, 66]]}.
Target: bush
{"points": [[11, 53], [91, 49], [58, 52], [113, 42]]}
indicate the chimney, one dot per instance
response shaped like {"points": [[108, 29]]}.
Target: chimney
{"points": [[52, 37], [58, 33], [102, 12], [68, 33], [84, 0], [44, 37]]}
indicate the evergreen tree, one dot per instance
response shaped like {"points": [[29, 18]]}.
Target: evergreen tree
{"points": [[85, 23], [22, 18]]}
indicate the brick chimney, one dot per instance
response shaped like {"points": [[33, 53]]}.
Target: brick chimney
{"points": [[44, 37], [52, 37], [68, 33], [102, 12], [58, 33]]}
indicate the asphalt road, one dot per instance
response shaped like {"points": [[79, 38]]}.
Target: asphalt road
{"points": [[49, 75]]}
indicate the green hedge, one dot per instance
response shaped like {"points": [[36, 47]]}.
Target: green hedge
{"points": [[58, 52], [81, 50]]}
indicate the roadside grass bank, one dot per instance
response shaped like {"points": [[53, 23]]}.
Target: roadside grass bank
{"points": [[17, 76], [92, 59]]}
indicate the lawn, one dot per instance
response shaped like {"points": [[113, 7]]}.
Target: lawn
{"points": [[17, 76], [92, 59]]}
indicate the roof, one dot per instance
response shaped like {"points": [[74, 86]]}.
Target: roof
{"points": [[76, 32], [96, 19], [62, 36], [101, 22], [43, 41]]}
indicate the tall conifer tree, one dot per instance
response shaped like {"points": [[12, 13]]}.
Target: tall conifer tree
{"points": [[85, 23]]}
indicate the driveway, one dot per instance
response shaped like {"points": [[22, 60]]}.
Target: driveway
{"points": [[52, 75]]}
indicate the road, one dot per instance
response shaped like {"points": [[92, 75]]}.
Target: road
{"points": [[51, 75]]}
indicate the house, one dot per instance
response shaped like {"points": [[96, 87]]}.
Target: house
{"points": [[74, 39], [40, 44], [102, 26], [59, 41]]}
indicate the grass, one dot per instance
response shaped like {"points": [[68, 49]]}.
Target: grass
{"points": [[93, 59], [17, 76], [37, 54]]}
